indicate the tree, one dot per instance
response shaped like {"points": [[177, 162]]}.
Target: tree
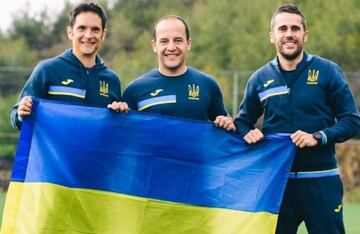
{"points": [[15, 53]]}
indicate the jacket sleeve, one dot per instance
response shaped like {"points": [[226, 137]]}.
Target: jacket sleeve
{"points": [[35, 87], [250, 109], [217, 106], [118, 93], [344, 107], [129, 96]]}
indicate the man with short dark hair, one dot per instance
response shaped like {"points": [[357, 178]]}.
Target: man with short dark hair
{"points": [[78, 75], [308, 97], [174, 88]]}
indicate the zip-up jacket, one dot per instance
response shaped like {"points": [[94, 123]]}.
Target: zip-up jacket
{"points": [[65, 78], [318, 99]]}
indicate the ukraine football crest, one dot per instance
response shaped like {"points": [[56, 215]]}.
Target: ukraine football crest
{"points": [[194, 92], [104, 88], [312, 77]]}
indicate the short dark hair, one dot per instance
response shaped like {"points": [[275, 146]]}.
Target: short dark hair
{"points": [[88, 7], [288, 8], [187, 31]]}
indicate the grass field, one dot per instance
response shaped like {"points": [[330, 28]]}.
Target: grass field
{"points": [[351, 213]]}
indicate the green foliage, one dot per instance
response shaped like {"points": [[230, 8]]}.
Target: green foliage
{"points": [[6, 104], [127, 64], [228, 37], [8, 136], [234, 37], [8, 150], [227, 34], [36, 31], [15, 52], [334, 33], [59, 26]]}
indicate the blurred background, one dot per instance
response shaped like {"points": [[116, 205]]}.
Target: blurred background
{"points": [[230, 41]]}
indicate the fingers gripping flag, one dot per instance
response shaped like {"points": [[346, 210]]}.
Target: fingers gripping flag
{"points": [[91, 170]]}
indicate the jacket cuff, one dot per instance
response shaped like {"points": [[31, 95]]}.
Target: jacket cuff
{"points": [[324, 138]]}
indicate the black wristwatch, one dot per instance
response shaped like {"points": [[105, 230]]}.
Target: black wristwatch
{"points": [[318, 137]]}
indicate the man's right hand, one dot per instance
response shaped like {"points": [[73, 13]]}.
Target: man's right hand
{"points": [[25, 106], [119, 107], [254, 136]]}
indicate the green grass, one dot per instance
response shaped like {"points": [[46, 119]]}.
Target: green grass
{"points": [[351, 217], [354, 196], [2, 202]]}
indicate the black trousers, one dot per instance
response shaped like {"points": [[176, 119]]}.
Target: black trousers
{"points": [[317, 202]]}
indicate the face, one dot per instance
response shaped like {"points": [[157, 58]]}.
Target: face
{"points": [[288, 35], [86, 35], [171, 46]]}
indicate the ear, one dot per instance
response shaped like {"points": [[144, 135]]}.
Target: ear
{"points": [[153, 45], [69, 32], [189, 43], [271, 36], [306, 36], [104, 34]]}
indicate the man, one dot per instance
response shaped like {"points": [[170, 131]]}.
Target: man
{"points": [[174, 88], [308, 97], [78, 75]]}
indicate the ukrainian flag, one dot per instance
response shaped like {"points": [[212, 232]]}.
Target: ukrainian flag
{"points": [[91, 170]]}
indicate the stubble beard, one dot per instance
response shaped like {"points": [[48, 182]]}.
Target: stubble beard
{"points": [[293, 56]]}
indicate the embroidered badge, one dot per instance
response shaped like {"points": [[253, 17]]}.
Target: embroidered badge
{"points": [[104, 88], [194, 92], [312, 77]]}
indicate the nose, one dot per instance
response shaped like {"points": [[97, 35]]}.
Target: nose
{"points": [[171, 46], [288, 33], [88, 33]]}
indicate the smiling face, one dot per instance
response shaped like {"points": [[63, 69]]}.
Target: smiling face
{"points": [[288, 35], [170, 45], [86, 35]]}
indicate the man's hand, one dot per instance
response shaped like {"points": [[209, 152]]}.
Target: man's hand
{"points": [[25, 107], [225, 122], [253, 136], [303, 139], [119, 106]]}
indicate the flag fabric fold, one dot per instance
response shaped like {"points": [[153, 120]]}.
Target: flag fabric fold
{"points": [[91, 170]]}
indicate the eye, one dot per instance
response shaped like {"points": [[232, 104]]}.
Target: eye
{"points": [[295, 28], [96, 30], [282, 29], [163, 42], [178, 40], [81, 28]]}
